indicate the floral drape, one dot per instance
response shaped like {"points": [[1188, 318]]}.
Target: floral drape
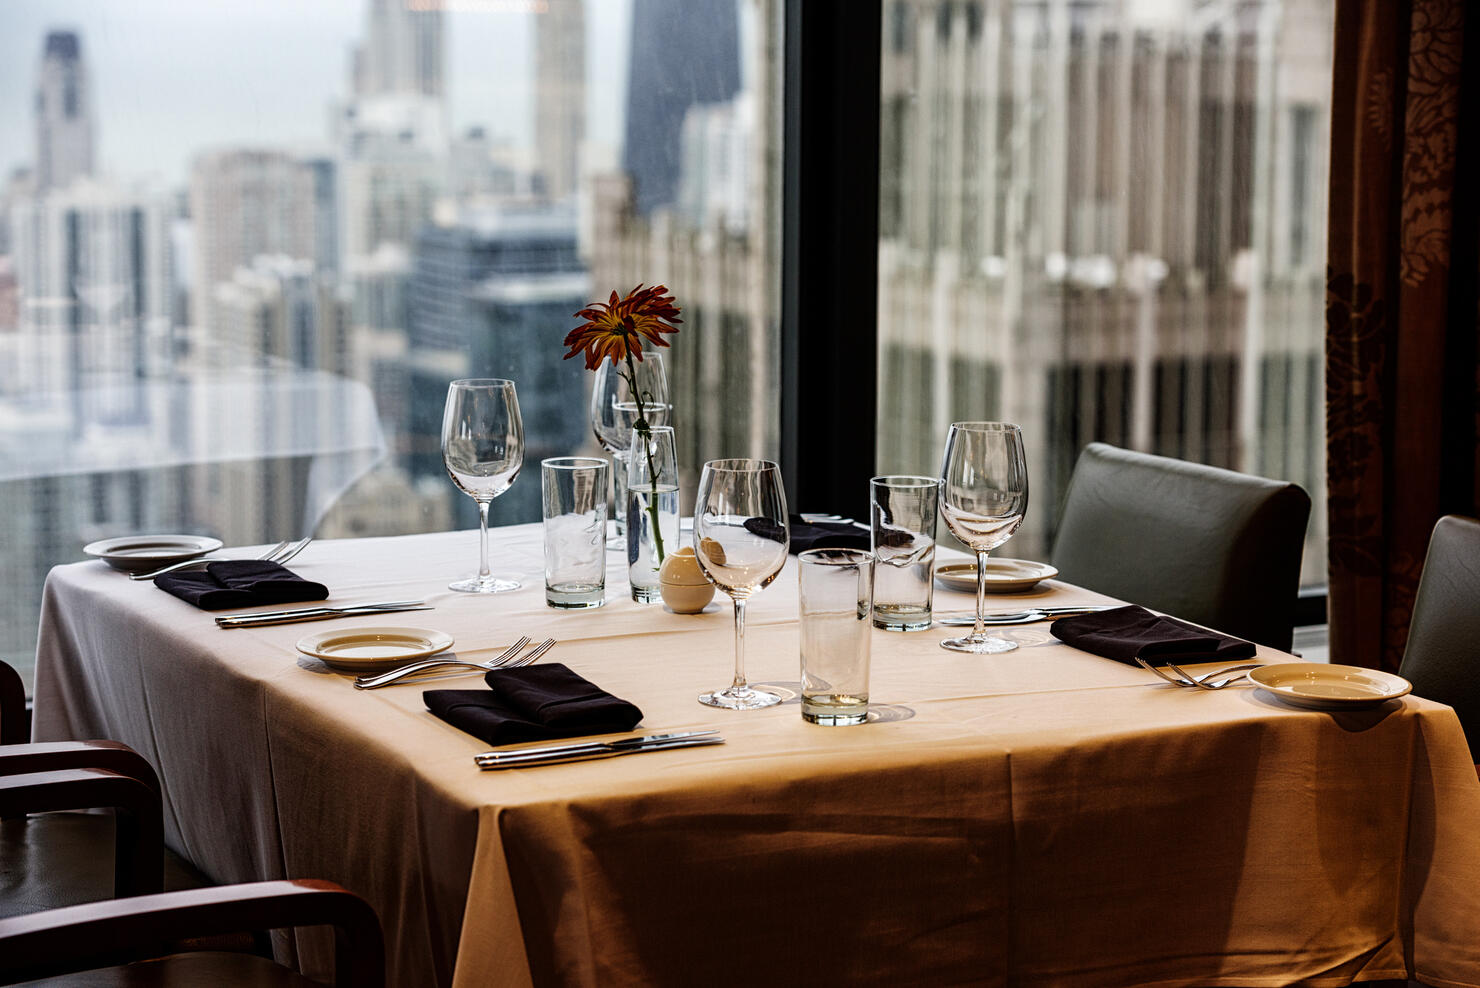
{"points": [[1402, 389]]}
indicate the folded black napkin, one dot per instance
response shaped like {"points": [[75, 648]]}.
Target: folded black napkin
{"points": [[812, 535], [1126, 632], [533, 703], [240, 583]]}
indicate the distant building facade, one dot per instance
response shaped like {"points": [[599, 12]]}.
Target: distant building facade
{"points": [[492, 296], [65, 127], [560, 95]]}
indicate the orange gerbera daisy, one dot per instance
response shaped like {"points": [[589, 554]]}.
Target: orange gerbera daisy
{"points": [[616, 328]]}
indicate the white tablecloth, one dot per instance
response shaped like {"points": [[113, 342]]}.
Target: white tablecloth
{"points": [[1039, 817]]}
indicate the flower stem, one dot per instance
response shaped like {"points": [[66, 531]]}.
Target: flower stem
{"points": [[641, 425]]}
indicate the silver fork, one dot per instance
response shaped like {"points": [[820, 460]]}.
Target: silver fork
{"points": [[1204, 682], [281, 552], [506, 660]]}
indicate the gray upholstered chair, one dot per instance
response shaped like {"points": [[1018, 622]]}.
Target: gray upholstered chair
{"points": [[1442, 657], [1215, 547]]}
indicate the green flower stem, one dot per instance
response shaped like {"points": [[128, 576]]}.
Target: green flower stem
{"points": [[641, 427]]}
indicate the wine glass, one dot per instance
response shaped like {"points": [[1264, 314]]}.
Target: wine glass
{"points": [[483, 449], [741, 537], [984, 495], [614, 410]]}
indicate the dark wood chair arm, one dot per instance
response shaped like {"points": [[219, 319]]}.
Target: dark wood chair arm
{"points": [[13, 726], [47, 756], [139, 862], [98, 934]]}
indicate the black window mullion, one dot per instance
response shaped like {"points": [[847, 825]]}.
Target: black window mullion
{"points": [[829, 254]]}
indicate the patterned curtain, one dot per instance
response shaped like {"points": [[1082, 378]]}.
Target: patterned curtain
{"points": [[1402, 388]]}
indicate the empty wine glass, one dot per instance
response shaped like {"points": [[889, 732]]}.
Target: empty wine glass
{"points": [[483, 449], [741, 537], [984, 495], [614, 410]]}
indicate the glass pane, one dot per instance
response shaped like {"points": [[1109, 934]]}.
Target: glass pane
{"points": [[244, 248], [1105, 220]]}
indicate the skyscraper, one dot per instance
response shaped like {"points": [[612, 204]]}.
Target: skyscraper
{"points": [[560, 94], [684, 52], [64, 122], [247, 202], [402, 51]]}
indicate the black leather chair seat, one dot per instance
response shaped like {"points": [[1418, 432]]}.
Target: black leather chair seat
{"points": [[60, 859], [201, 969]]}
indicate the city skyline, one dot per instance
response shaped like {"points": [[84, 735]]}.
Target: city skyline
{"points": [[171, 80]]}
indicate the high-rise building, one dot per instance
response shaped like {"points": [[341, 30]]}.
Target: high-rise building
{"points": [[560, 94], [1103, 223], [250, 202], [402, 50], [718, 247], [492, 296], [716, 165], [64, 119], [94, 267], [684, 53], [392, 136]]}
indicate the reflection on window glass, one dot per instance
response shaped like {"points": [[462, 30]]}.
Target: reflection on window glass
{"points": [[1105, 220], [244, 248]]}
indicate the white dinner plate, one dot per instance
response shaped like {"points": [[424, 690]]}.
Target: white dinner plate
{"points": [[1003, 575], [1318, 686], [136, 553], [372, 649]]}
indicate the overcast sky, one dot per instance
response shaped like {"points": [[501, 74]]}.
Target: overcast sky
{"points": [[171, 77]]}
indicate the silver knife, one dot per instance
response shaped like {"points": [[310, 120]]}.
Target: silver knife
{"points": [[1030, 615], [317, 614], [490, 765], [578, 747]]}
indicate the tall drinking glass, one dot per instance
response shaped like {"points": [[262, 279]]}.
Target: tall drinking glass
{"points": [[483, 449], [984, 495], [741, 537], [614, 410]]}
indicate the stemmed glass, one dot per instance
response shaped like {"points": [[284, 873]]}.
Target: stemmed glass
{"points": [[614, 410], [984, 496], [483, 449], [741, 537]]}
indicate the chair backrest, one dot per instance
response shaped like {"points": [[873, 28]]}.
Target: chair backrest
{"points": [[1218, 548], [1442, 657]]}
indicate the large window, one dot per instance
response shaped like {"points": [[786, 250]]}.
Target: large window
{"points": [[244, 247], [1105, 220]]}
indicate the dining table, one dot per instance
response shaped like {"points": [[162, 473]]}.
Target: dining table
{"points": [[1043, 816]]}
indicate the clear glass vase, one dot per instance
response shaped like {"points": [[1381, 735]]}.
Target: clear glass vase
{"points": [[652, 509]]}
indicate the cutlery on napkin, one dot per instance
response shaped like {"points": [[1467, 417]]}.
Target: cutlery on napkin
{"points": [[231, 583], [533, 703], [261, 618], [1123, 633], [557, 754]]}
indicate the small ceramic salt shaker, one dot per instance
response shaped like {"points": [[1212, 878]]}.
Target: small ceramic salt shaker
{"points": [[682, 583]]}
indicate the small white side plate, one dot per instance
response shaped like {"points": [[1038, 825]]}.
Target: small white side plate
{"points": [[1318, 686], [137, 553], [372, 649], [1003, 575]]}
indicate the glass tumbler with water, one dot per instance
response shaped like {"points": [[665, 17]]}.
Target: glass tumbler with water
{"points": [[574, 489], [902, 513], [837, 592]]}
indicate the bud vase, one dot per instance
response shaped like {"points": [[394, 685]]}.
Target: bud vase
{"points": [[652, 510]]}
